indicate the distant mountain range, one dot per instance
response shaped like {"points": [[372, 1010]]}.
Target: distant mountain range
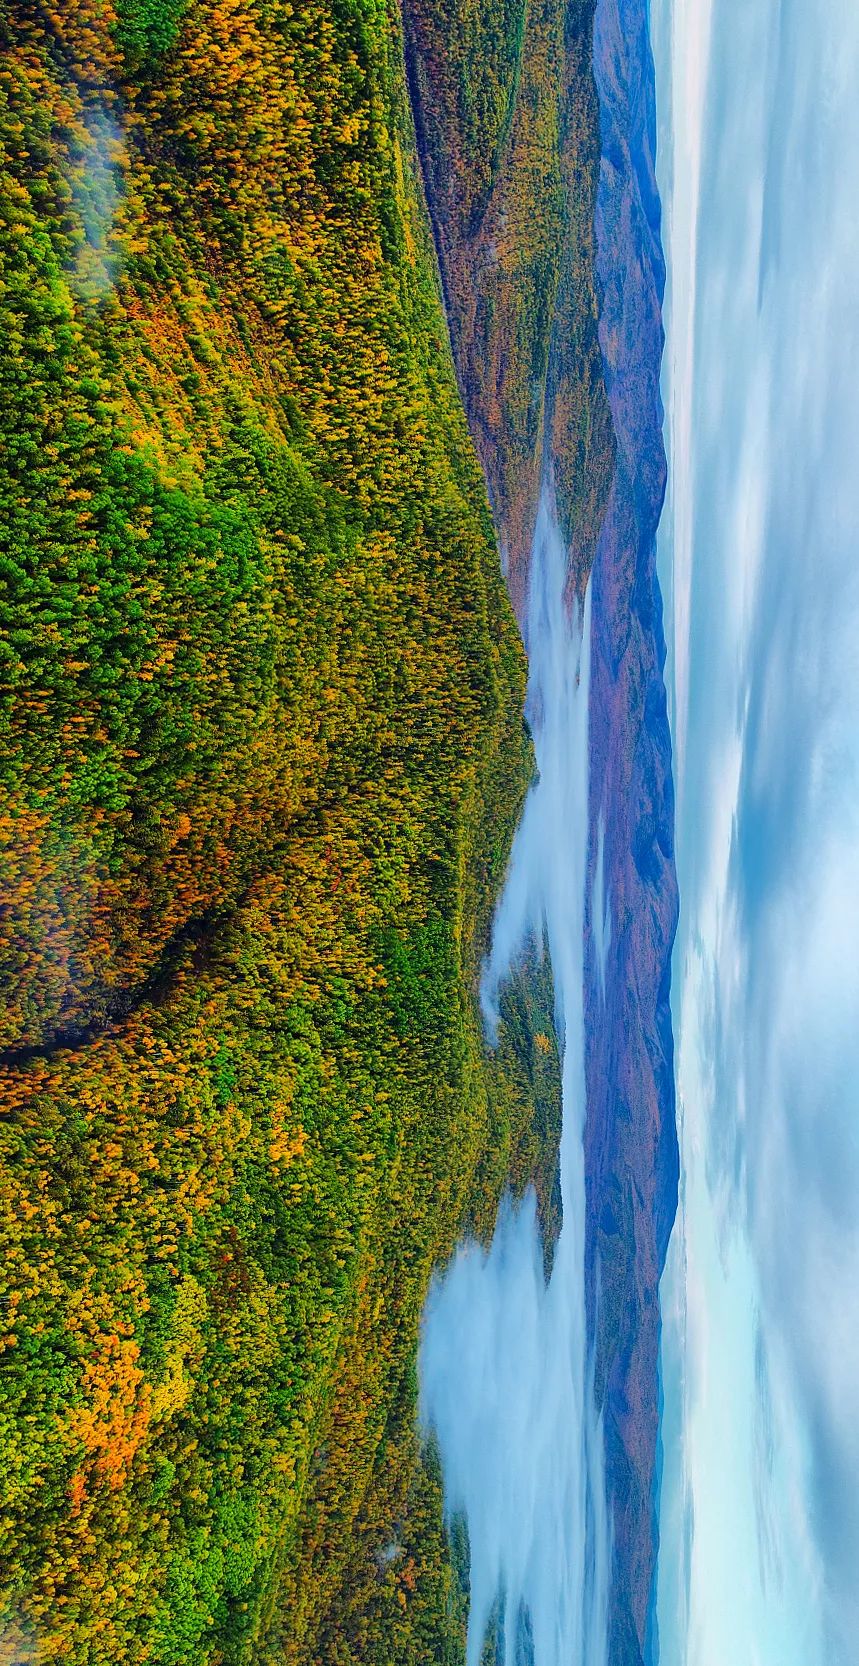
{"points": [[553, 275]]}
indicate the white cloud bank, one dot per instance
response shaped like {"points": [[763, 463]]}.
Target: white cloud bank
{"points": [[505, 1375], [760, 548]]}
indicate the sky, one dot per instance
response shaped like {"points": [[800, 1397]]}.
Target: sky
{"points": [[759, 560]]}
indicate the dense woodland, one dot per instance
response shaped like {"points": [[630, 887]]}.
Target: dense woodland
{"points": [[508, 129], [262, 754]]}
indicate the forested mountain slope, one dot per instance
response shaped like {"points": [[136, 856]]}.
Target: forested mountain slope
{"points": [[508, 129], [262, 755]]}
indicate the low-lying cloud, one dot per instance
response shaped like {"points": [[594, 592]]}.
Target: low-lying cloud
{"points": [[505, 1372], [97, 186]]}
